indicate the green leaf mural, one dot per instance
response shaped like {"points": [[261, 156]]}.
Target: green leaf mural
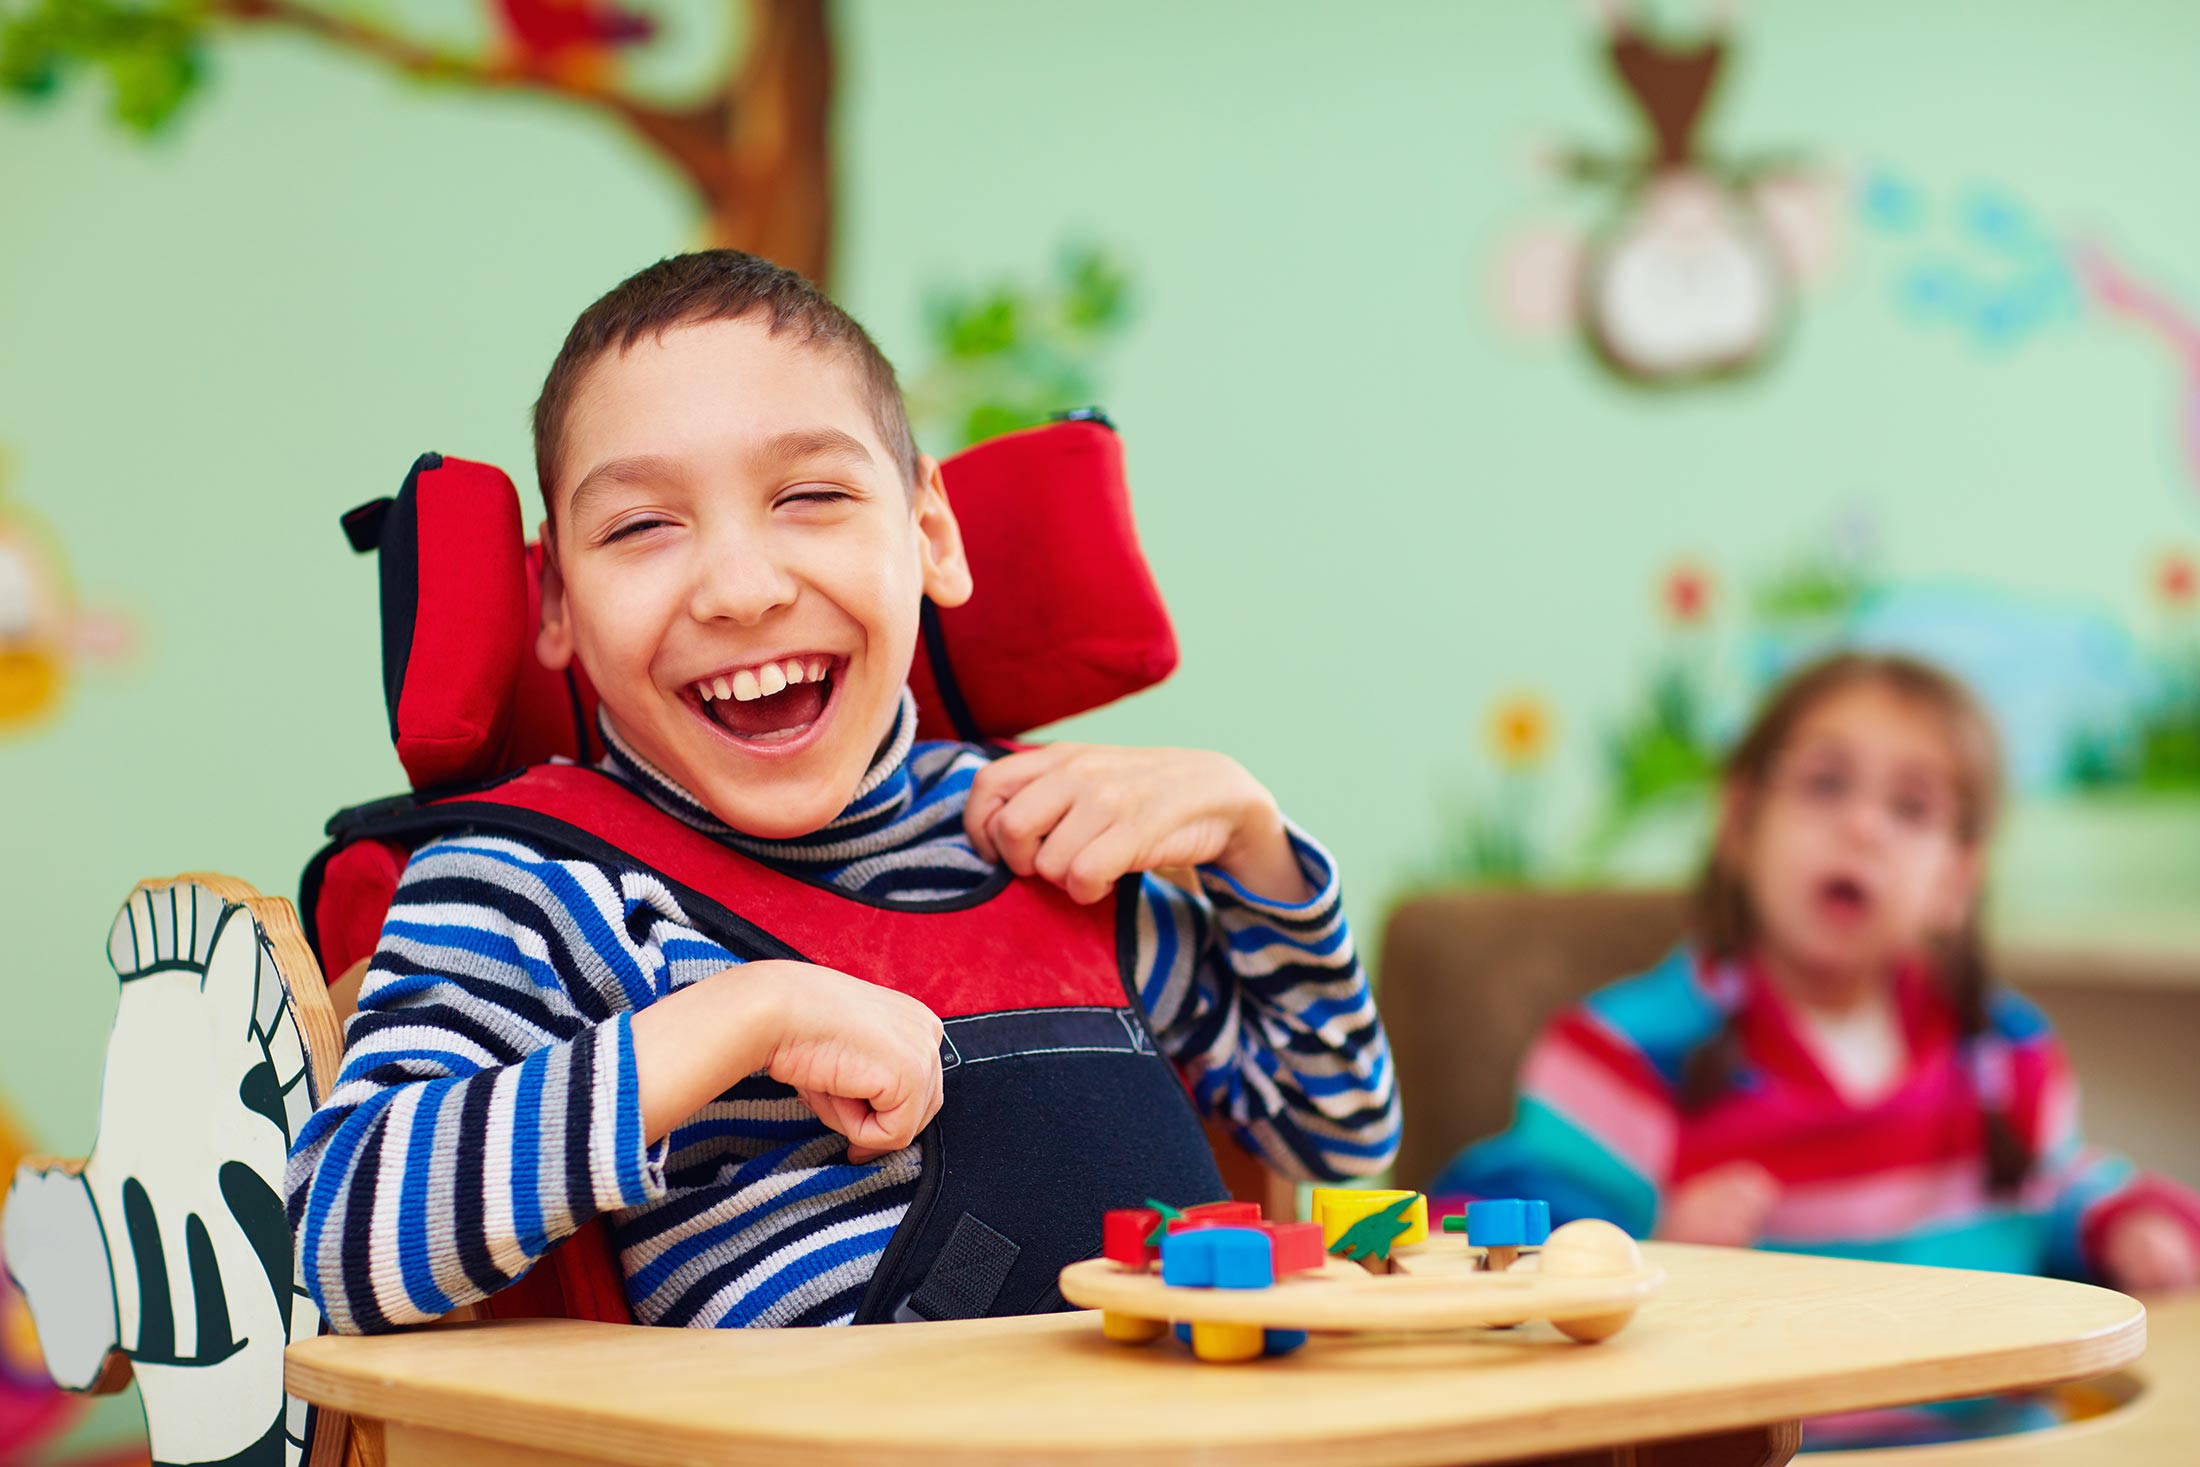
{"points": [[150, 55], [1007, 354], [2157, 745]]}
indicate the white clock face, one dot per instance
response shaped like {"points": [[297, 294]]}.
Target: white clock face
{"points": [[1687, 284]]}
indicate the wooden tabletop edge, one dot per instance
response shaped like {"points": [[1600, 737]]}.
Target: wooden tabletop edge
{"points": [[1709, 1408]]}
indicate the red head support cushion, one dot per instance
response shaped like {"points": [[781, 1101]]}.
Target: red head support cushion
{"points": [[1065, 617]]}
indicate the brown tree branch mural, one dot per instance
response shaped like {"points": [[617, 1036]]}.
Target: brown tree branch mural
{"points": [[755, 150]]}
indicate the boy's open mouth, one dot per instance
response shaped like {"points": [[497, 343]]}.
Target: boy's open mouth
{"points": [[769, 702]]}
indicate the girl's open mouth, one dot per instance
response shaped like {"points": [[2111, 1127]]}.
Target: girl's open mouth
{"points": [[768, 704], [1844, 899]]}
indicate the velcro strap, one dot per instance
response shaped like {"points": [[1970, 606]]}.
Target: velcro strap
{"points": [[976, 1038], [967, 1276]]}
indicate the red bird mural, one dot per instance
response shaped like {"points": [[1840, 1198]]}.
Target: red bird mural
{"points": [[572, 40]]}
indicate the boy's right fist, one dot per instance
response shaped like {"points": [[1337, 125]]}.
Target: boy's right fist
{"points": [[866, 1059]]}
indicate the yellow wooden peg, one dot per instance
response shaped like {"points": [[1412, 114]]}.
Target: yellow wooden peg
{"points": [[1338, 1208], [1131, 1329], [1225, 1342]]}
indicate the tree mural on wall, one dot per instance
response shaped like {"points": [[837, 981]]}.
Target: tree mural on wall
{"points": [[754, 150]]}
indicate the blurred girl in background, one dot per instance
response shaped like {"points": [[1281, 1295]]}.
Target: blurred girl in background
{"points": [[1826, 1066]]}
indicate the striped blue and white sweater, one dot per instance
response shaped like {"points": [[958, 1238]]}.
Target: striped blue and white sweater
{"points": [[488, 1106]]}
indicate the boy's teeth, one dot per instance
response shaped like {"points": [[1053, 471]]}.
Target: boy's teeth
{"points": [[762, 681]]}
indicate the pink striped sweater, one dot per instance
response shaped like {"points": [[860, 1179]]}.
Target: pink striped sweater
{"points": [[1600, 1130]]}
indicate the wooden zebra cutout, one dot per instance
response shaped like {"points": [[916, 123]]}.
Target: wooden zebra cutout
{"points": [[166, 1256]]}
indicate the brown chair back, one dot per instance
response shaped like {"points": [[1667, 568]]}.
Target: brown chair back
{"points": [[1469, 977]]}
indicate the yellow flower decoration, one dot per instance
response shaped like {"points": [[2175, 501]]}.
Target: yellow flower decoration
{"points": [[1520, 729], [45, 636]]}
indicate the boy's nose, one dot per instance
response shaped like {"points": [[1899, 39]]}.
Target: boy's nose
{"points": [[738, 588]]}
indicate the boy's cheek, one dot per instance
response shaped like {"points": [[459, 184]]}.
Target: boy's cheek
{"points": [[615, 629]]}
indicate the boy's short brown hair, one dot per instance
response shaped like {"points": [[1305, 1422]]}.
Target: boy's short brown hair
{"points": [[714, 285]]}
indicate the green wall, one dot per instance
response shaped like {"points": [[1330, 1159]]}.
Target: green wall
{"points": [[1371, 512]]}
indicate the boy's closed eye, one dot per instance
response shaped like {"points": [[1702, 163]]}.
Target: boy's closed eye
{"points": [[819, 494], [630, 528]]}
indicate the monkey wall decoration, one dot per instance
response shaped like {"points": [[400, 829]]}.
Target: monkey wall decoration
{"points": [[1693, 272]]}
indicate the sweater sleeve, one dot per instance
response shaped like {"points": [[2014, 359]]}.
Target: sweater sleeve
{"points": [[487, 1106], [1594, 1128], [1266, 1010], [2082, 1190]]}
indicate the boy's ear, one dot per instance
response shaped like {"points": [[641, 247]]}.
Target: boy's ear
{"points": [[554, 642], [939, 540]]}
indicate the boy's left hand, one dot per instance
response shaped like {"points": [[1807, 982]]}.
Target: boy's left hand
{"points": [[1082, 816], [2149, 1250]]}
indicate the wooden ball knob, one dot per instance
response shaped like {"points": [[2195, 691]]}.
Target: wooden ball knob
{"points": [[1591, 1248]]}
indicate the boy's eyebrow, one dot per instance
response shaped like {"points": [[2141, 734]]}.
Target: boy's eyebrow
{"points": [[640, 468], [799, 445]]}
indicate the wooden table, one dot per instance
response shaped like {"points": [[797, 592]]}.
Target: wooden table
{"points": [[1736, 1349], [2157, 1426]]}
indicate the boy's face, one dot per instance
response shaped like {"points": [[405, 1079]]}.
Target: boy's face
{"points": [[728, 517]]}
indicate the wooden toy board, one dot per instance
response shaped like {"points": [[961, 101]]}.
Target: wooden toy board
{"points": [[1434, 1286]]}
